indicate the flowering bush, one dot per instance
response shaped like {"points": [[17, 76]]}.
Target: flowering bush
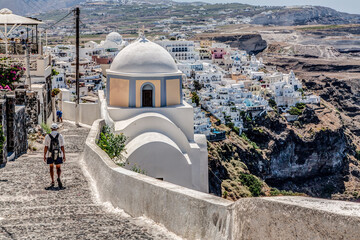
{"points": [[10, 74]]}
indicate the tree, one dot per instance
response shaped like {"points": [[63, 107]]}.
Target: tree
{"points": [[197, 85], [272, 103], [195, 98]]}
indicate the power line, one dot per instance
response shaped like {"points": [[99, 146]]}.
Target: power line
{"points": [[59, 20]]}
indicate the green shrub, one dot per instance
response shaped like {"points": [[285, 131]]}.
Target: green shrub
{"points": [[225, 194], [236, 130], [243, 136], [252, 182], [195, 98], [45, 128], [295, 111], [277, 192], [300, 106], [54, 72], [2, 139], [113, 145], [136, 168]]}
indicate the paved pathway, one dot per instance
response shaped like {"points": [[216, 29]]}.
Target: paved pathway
{"points": [[28, 211]]}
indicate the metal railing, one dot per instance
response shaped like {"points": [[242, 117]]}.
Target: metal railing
{"points": [[18, 48]]}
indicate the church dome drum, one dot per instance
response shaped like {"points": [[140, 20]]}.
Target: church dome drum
{"points": [[144, 74]]}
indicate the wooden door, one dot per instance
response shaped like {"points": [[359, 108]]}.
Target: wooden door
{"points": [[147, 100]]}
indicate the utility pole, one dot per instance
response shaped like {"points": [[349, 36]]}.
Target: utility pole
{"points": [[77, 107]]}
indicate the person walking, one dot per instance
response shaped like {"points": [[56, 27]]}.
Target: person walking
{"points": [[54, 153], [59, 116]]}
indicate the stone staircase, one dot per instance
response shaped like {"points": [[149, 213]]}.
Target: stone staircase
{"points": [[28, 211]]}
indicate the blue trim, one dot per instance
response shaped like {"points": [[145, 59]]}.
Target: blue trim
{"points": [[153, 93], [132, 94], [107, 92], [181, 92], [164, 94]]}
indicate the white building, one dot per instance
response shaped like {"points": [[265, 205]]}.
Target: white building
{"points": [[286, 91], [180, 49], [144, 102]]}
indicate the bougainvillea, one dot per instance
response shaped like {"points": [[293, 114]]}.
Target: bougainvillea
{"points": [[10, 73]]}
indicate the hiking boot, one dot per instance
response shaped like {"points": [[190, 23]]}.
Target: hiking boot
{"points": [[59, 183]]}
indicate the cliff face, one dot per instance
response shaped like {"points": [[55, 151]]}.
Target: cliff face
{"points": [[252, 43], [314, 155]]}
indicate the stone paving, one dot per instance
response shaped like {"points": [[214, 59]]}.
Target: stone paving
{"points": [[28, 211]]}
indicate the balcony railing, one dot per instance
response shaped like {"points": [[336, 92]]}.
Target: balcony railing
{"points": [[18, 48]]}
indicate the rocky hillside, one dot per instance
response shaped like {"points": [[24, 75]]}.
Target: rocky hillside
{"points": [[315, 155], [24, 7], [252, 43], [290, 16]]}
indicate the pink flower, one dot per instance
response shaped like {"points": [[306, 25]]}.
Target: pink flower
{"points": [[14, 79]]}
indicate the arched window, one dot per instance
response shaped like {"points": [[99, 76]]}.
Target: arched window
{"points": [[147, 95]]}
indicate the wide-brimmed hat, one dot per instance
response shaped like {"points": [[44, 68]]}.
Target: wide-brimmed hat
{"points": [[54, 126]]}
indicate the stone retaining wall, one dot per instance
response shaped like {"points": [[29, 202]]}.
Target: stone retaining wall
{"points": [[14, 122], [195, 215], [20, 130], [31, 102], [3, 156]]}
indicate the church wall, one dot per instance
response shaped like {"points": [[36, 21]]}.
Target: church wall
{"points": [[161, 160], [119, 92], [181, 115], [134, 94], [173, 92], [153, 122]]}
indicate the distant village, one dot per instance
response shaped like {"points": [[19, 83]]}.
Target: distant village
{"points": [[228, 82]]}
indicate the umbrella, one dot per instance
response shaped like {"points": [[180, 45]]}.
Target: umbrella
{"points": [[7, 18]]}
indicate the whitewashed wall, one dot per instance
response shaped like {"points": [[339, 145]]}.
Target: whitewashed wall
{"points": [[89, 112]]}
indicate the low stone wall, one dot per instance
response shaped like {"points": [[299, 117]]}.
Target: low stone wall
{"points": [[195, 215], [89, 112], [295, 218]]}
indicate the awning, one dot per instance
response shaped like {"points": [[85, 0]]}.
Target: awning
{"points": [[8, 18]]}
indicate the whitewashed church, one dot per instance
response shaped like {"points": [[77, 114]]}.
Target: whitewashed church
{"points": [[144, 101]]}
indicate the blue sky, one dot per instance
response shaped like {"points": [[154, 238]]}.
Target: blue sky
{"points": [[350, 6]]}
